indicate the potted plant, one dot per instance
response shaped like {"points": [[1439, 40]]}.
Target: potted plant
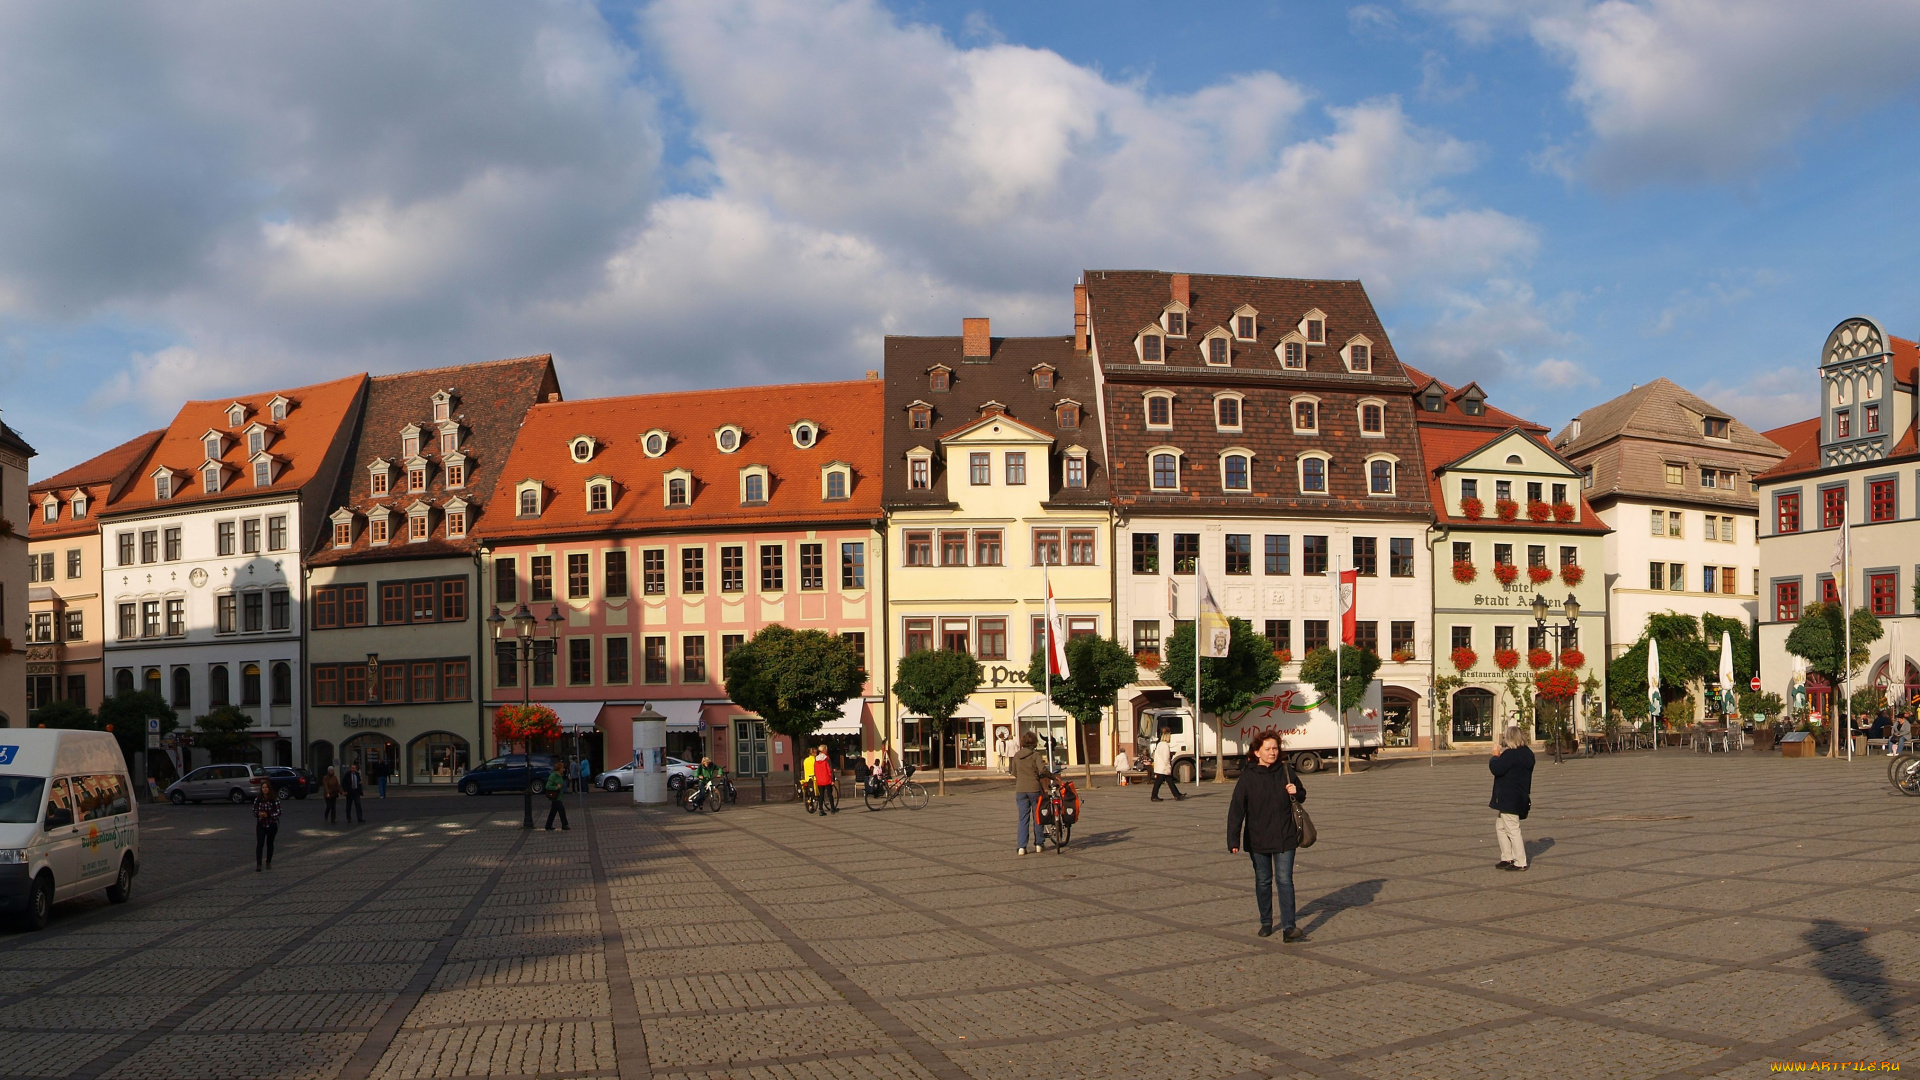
{"points": [[1464, 571], [1562, 511], [1403, 656], [1285, 656], [1472, 508], [1463, 658], [1506, 659], [1506, 572], [1572, 574], [1573, 658], [1539, 573], [1539, 658], [1506, 509], [1148, 659], [1538, 511]]}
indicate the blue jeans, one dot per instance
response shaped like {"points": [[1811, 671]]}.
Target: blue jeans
{"points": [[383, 785], [1270, 871], [1024, 802]]}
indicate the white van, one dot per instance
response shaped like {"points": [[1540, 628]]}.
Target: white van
{"points": [[68, 820]]}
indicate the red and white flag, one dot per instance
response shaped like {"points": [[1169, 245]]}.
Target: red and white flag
{"points": [[1349, 601], [1056, 649]]}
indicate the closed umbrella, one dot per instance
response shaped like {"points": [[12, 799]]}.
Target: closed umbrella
{"points": [[1653, 688], [1726, 676]]}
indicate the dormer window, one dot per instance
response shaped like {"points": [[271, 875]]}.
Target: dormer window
{"points": [[1043, 377], [1380, 475], [920, 418], [836, 480], [753, 485], [1870, 419], [1160, 410], [1373, 418], [1164, 463], [939, 379], [456, 517], [256, 440], [79, 506], [343, 528], [379, 478], [528, 498], [1246, 322], [1236, 469], [410, 445], [1358, 355], [1715, 427], [581, 449], [210, 478], [1313, 474], [679, 488], [419, 523], [919, 469], [416, 476], [1292, 351], [277, 408], [379, 526], [215, 447], [727, 438], [442, 405], [654, 443], [263, 472], [1217, 348], [1067, 415], [1226, 412], [1074, 467], [1473, 403], [1173, 319], [50, 510], [805, 434], [599, 494], [1151, 346], [449, 438], [236, 415], [1313, 327], [454, 470], [163, 486], [1433, 399]]}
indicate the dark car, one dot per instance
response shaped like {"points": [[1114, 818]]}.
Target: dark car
{"points": [[509, 772], [295, 782]]}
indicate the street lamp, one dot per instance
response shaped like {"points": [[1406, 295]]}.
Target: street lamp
{"points": [[1560, 635], [526, 649]]}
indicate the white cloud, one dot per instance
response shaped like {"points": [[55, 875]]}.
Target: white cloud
{"points": [[1555, 374], [1728, 289], [1768, 398], [1488, 334]]}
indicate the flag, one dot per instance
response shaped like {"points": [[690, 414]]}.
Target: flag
{"points": [[1654, 703], [1056, 649], [1216, 634], [1349, 601], [1173, 599], [1842, 553], [1727, 699]]}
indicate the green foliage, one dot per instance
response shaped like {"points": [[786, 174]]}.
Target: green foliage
{"points": [[1753, 703], [65, 715], [125, 716], [130, 712], [222, 733], [935, 682], [1868, 700], [1357, 668], [1819, 638], [1101, 669], [1689, 650], [796, 680], [1520, 694], [1443, 688], [1229, 684], [1678, 713]]}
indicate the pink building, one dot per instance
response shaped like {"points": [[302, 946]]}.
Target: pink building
{"points": [[651, 535]]}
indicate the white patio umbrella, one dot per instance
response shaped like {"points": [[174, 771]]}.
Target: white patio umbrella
{"points": [[1653, 688], [1727, 698]]}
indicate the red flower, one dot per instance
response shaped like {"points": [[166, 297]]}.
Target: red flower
{"points": [[1507, 509], [1572, 574], [1558, 684], [1539, 658], [1506, 659], [1572, 658], [525, 723], [1403, 656], [1463, 658], [1563, 511], [1538, 510], [1506, 572], [1463, 571], [1538, 574], [1147, 658], [1472, 508], [1285, 656]]}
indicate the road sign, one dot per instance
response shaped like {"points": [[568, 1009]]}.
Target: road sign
{"points": [[1754, 684], [153, 725], [153, 740]]}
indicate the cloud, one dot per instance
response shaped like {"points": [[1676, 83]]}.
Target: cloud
{"points": [[1729, 289], [1706, 90], [1489, 334], [1434, 85], [1769, 398], [1557, 374]]}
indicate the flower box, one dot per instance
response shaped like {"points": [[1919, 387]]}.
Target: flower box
{"points": [[1563, 511], [1472, 509], [1506, 572], [1506, 509], [1285, 656], [1464, 571], [1539, 658], [1148, 659], [1572, 658], [1404, 656], [1506, 659], [1538, 511], [1539, 574], [1572, 575], [1464, 658]]}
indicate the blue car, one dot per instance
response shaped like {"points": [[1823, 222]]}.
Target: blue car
{"points": [[509, 772]]}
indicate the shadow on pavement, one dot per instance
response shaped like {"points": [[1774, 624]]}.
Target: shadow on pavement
{"points": [[1102, 839], [1358, 894], [1536, 847], [1841, 954]]}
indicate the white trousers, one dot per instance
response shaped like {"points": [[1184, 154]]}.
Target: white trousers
{"points": [[1513, 848]]}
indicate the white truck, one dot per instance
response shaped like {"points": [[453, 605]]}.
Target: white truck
{"points": [[1310, 734]]}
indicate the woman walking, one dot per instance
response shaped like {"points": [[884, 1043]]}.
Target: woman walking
{"points": [[1260, 820], [330, 791], [1512, 766], [266, 825], [1028, 766]]}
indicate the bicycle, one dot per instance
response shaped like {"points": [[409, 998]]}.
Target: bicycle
{"points": [[702, 795], [1055, 813], [882, 792]]}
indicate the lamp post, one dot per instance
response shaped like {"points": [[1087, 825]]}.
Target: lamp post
{"points": [[1560, 635], [526, 648]]}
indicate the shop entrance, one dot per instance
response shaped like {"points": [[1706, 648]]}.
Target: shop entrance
{"points": [[438, 757], [368, 751], [1473, 715], [1399, 716]]}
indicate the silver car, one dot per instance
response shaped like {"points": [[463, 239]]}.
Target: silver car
{"points": [[621, 779], [234, 783]]}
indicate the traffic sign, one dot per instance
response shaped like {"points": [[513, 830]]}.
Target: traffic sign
{"points": [[153, 725], [1754, 684]]}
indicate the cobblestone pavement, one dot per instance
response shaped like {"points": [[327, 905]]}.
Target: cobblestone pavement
{"points": [[1684, 916]]}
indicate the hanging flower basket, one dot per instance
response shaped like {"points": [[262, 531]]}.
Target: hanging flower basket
{"points": [[1572, 658], [1285, 656], [1506, 509], [1472, 509], [1563, 511], [1539, 574], [1464, 658], [1403, 656], [1556, 685], [1538, 510], [1506, 572], [1148, 659], [1464, 571], [1572, 575], [525, 724], [1539, 658], [1506, 659]]}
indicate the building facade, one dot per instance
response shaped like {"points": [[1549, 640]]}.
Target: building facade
{"points": [[395, 638], [203, 577], [1261, 430], [1857, 463], [651, 535], [996, 489], [1672, 476], [14, 455]]}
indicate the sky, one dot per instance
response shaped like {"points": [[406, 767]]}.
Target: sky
{"points": [[1557, 198]]}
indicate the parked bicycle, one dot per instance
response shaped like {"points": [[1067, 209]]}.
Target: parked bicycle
{"points": [[1903, 772], [881, 792]]}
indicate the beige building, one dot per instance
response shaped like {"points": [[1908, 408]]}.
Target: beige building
{"points": [[14, 453]]}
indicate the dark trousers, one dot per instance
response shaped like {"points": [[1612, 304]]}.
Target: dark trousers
{"points": [[1167, 779], [1273, 873], [353, 806], [1023, 803], [263, 842], [557, 806], [333, 809], [383, 785]]}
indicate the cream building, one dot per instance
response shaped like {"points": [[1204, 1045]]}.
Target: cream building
{"points": [[14, 454]]}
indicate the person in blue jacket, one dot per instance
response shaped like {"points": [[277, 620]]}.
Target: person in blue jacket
{"points": [[1512, 766]]}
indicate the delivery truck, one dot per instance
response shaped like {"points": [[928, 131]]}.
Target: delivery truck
{"points": [[1310, 733]]}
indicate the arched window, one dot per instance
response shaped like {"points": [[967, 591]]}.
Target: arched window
{"points": [[123, 681], [1380, 477], [182, 688], [250, 684], [677, 492], [836, 484], [151, 676], [756, 488], [219, 693], [1313, 475], [282, 683], [1472, 714], [597, 497], [1166, 472], [1234, 473], [529, 503], [1159, 411], [1226, 413], [1306, 415]]}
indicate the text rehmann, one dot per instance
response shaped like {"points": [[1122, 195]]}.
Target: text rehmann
{"points": [[366, 721]]}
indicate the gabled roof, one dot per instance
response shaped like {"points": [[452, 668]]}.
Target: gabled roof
{"points": [[1661, 409], [99, 476], [1445, 446], [1490, 418]]}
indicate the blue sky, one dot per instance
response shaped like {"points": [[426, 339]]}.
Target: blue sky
{"points": [[1556, 197]]}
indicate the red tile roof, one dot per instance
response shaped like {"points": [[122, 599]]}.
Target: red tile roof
{"points": [[1801, 440], [848, 416], [1490, 417], [100, 475], [1442, 445]]}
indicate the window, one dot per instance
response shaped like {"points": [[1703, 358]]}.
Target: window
{"points": [[1166, 472], [1080, 547], [1842, 424], [1159, 411], [836, 484], [418, 528], [918, 473], [126, 549], [1656, 576], [1675, 523], [506, 667], [1829, 590], [954, 634], [163, 486], [1313, 475], [129, 621], [654, 659], [540, 573], [1313, 555], [1676, 474], [693, 658], [597, 498], [693, 572], [1317, 331], [1786, 601], [677, 492], [1146, 636], [1146, 553], [1400, 638], [1833, 507], [1226, 413], [1279, 633], [1243, 327], [1533, 491], [1366, 635], [263, 476], [1729, 579], [918, 549], [1380, 477], [1503, 554], [1711, 529], [1068, 416], [1234, 473], [377, 530], [379, 483], [1503, 490], [980, 469], [992, 639], [1176, 323], [279, 610], [1076, 470], [755, 488], [1186, 552], [250, 536], [853, 565], [1293, 356], [1016, 467], [1786, 510], [1676, 577], [1569, 556], [343, 534], [76, 629], [937, 380], [1462, 552], [1305, 416], [1218, 351], [1373, 420], [1880, 593], [1279, 554], [1462, 637], [226, 613], [326, 685], [505, 582], [813, 567], [353, 605], [456, 472], [580, 569], [1870, 418], [1366, 556], [1314, 634], [579, 661], [529, 502], [1151, 350], [986, 547], [653, 571], [393, 603], [1715, 427], [618, 670], [1709, 579], [150, 545], [73, 562], [773, 567], [1400, 556], [1880, 503], [1046, 547], [1239, 553], [953, 549], [919, 634], [1043, 378], [1360, 357]]}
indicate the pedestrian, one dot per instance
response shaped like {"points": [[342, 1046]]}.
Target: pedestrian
{"points": [[266, 825], [352, 786], [823, 781], [1029, 765], [1163, 766], [381, 770], [586, 774], [862, 772], [1512, 766], [1260, 821], [555, 804], [330, 791], [1120, 767]]}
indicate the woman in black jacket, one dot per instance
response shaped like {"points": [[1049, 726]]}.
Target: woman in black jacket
{"points": [[1512, 766], [1260, 820]]}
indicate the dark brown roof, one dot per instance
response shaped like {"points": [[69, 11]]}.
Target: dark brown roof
{"points": [[1007, 377], [1629, 441], [489, 400]]}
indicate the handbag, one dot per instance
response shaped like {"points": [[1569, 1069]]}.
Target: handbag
{"points": [[1301, 820]]}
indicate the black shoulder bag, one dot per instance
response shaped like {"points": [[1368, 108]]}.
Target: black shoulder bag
{"points": [[1301, 820]]}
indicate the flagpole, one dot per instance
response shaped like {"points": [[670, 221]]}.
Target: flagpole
{"points": [[1846, 628], [1199, 616], [1046, 640], [1339, 703]]}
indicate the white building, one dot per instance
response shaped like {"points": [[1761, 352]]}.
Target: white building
{"points": [[203, 574]]}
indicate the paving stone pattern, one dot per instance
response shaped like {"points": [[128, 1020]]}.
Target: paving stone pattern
{"points": [[1684, 916]]}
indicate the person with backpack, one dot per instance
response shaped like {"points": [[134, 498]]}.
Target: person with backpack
{"points": [[556, 788], [1029, 764], [1512, 766], [1262, 821]]}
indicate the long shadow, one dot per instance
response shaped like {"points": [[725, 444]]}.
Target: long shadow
{"points": [[1100, 839], [1358, 894], [1535, 847], [1841, 954]]}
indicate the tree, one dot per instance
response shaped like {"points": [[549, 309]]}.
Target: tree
{"points": [[1819, 638], [126, 716], [65, 715], [935, 683], [1685, 657], [1229, 684], [1356, 670], [223, 733], [1101, 668], [795, 680]]}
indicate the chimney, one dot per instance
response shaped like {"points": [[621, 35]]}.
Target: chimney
{"points": [[1080, 318], [1573, 432], [1181, 292], [976, 338], [553, 397], [872, 375]]}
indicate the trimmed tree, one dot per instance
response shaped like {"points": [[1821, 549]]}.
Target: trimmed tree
{"points": [[1356, 671], [1101, 669], [935, 683], [223, 733], [1229, 684], [796, 680], [126, 715]]}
